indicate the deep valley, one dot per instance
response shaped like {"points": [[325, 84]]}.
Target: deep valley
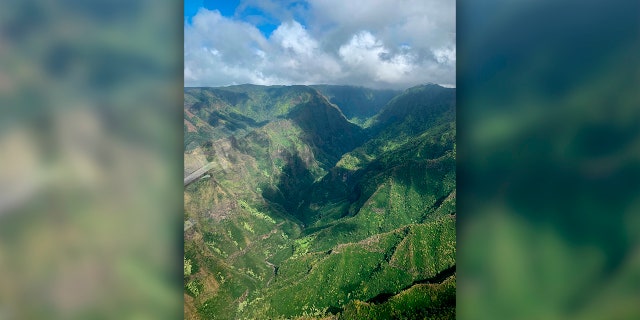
{"points": [[319, 202]]}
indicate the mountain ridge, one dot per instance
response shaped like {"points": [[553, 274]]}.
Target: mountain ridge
{"points": [[295, 189]]}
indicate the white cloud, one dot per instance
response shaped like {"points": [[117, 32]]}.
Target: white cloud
{"points": [[445, 55], [292, 35], [299, 55], [220, 51], [384, 43], [367, 55]]}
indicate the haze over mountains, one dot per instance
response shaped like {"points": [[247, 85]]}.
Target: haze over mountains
{"points": [[319, 201]]}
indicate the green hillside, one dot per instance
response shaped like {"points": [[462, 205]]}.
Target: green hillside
{"points": [[357, 103], [304, 214]]}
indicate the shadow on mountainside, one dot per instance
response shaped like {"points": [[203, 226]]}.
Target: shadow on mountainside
{"points": [[293, 184]]}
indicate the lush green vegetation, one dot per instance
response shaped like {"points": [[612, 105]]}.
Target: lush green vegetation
{"points": [[357, 103], [305, 214], [421, 301]]}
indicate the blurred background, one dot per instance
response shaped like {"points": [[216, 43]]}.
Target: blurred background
{"points": [[91, 159], [548, 159]]}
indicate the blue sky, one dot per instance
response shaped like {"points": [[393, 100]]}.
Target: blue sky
{"points": [[228, 8], [383, 44]]}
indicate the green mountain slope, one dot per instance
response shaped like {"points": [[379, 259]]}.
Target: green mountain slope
{"points": [[214, 113], [357, 103], [326, 129], [302, 200]]}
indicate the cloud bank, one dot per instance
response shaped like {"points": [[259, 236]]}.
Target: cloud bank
{"points": [[380, 44]]}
